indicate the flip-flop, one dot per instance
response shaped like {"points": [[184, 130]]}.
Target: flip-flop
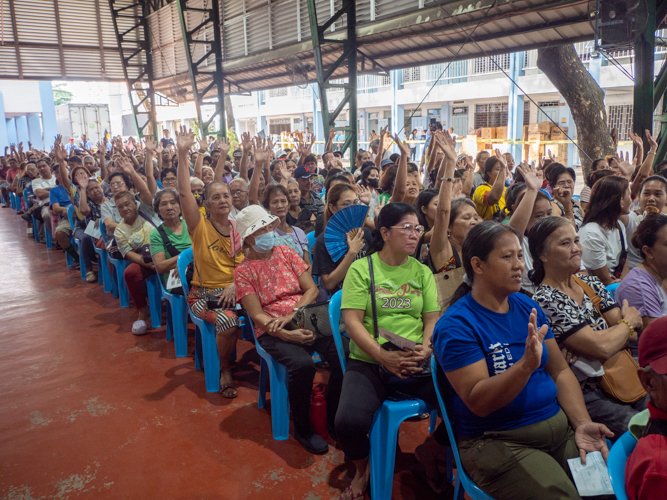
{"points": [[351, 496], [224, 387]]}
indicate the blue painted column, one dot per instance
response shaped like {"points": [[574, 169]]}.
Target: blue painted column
{"points": [[363, 126], [445, 116], [565, 120], [50, 127], [515, 108], [22, 130], [397, 111], [4, 139], [35, 131], [12, 138], [318, 123]]}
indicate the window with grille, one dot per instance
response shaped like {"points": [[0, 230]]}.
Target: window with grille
{"points": [[491, 115], [483, 65], [620, 118], [411, 75], [278, 92], [415, 113], [386, 80], [278, 125]]}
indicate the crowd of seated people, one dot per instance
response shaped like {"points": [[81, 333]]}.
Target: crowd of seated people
{"points": [[497, 269]]}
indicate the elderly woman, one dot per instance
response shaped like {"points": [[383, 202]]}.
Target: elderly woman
{"points": [[593, 333], [216, 247], [517, 410], [171, 238], [645, 287], [406, 304], [272, 284], [276, 202], [131, 235]]}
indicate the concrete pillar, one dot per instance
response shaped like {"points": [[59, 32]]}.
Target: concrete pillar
{"points": [[397, 110], [12, 138], [515, 109], [363, 129], [318, 123], [35, 130], [594, 66], [445, 116], [22, 131], [50, 127], [4, 139]]}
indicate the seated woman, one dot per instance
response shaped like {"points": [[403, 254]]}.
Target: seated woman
{"points": [[407, 305], [171, 238], [562, 180], [272, 283], [276, 202], [490, 196], [131, 234], [333, 273], [602, 235], [652, 199], [516, 408], [593, 334], [216, 247], [645, 287], [332, 180]]}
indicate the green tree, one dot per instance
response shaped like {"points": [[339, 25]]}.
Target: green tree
{"points": [[60, 95]]}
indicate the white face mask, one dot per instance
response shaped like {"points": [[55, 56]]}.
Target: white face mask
{"points": [[264, 242]]}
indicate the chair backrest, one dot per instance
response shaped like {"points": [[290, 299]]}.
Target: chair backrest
{"points": [[612, 288], [70, 216], [185, 258], [450, 432], [103, 230], [334, 318], [618, 455], [311, 243]]}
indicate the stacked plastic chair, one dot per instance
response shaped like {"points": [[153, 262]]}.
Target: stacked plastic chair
{"points": [[618, 455], [119, 266], [71, 213], [387, 420]]}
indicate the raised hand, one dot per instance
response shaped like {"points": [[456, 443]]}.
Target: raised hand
{"points": [[402, 146], [364, 194], [184, 140], [501, 158], [81, 179], [60, 153], [203, 146], [532, 357], [246, 142], [151, 144], [269, 143], [159, 149], [225, 146], [125, 165], [532, 177], [332, 133], [653, 145], [614, 137]]}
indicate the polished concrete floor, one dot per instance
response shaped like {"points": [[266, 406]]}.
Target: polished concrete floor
{"points": [[87, 410]]}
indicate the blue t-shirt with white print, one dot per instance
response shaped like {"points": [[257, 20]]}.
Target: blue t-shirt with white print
{"points": [[469, 332]]}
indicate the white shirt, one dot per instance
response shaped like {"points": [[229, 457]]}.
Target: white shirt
{"points": [[40, 183], [526, 284], [600, 246], [634, 259]]}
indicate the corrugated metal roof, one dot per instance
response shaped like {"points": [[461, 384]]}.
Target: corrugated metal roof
{"points": [[75, 39]]}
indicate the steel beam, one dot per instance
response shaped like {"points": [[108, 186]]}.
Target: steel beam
{"points": [[211, 20], [642, 111], [317, 31]]}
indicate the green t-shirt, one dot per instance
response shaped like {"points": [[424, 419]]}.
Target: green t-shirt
{"points": [[402, 293], [180, 241]]}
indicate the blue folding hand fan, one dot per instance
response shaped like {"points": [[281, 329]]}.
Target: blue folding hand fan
{"points": [[341, 223]]}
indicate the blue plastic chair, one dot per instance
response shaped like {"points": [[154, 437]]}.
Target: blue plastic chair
{"points": [[463, 482], [311, 243], [154, 293], [278, 378], [35, 227], [103, 273], [75, 241], [177, 321], [12, 200], [618, 455], [384, 429], [612, 288], [205, 330], [118, 278]]}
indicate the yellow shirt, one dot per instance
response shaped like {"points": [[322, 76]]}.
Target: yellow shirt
{"points": [[213, 255], [485, 211]]}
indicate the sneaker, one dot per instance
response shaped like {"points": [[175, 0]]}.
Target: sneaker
{"points": [[91, 277], [139, 327], [313, 444], [29, 233]]}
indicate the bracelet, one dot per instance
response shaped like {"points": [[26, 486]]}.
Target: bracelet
{"points": [[632, 328], [448, 179]]}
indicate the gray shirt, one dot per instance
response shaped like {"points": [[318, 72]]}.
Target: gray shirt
{"points": [[109, 211]]}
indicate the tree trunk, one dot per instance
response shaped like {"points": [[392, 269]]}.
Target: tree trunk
{"points": [[229, 112], [585, 98]]}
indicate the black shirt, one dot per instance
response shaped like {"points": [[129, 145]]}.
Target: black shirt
{"points": [[314, 205], [322, 262], [166, 142]]}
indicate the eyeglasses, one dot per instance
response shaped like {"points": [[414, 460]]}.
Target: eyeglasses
{"points": [[565, 184], [168, 180], [116, 184], [408, 229], [346, 204], [237, 191]]}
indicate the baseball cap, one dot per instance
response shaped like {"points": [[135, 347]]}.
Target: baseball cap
{"points": [[303, 172], [281, 154], [238, 153], [386, 162], [251, 219], [653, 346]]}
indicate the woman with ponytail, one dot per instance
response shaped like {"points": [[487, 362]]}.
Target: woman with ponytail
{"points": [[589, 334], [517, 409]]}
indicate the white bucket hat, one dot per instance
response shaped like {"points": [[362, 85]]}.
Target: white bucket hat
{"points": [[251, 219]]}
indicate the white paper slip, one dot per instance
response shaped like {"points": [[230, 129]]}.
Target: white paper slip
{"points": [[397, 340], [93, 231], [593, 478], [174, 280]]}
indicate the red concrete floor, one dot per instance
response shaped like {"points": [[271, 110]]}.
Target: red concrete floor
{"points": [[87, 410]]}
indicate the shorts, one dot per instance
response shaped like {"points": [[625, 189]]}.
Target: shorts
{"points": [[64, 227], [223, 319]]}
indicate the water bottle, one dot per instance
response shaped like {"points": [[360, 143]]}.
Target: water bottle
{"points": [[318, 411]]}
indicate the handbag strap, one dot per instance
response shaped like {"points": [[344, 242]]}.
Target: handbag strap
{"points": [[595, 299], [167, 242], [376, 332]]}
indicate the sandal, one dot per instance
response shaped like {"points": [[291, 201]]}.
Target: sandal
{"points": [[224, 387], [348, 495]]}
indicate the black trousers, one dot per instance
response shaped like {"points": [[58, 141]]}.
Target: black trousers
{"points": [[297, 358], [365, 388]]}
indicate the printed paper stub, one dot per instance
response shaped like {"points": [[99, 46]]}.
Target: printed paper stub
{"points": [[593, 478], [397, 340]]}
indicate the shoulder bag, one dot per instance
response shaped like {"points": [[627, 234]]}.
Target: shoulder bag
{"points": [[447, 282], [620, 380], [616, 273]]}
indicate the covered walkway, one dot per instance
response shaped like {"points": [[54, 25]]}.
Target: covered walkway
{"points": [[87, 410]]}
